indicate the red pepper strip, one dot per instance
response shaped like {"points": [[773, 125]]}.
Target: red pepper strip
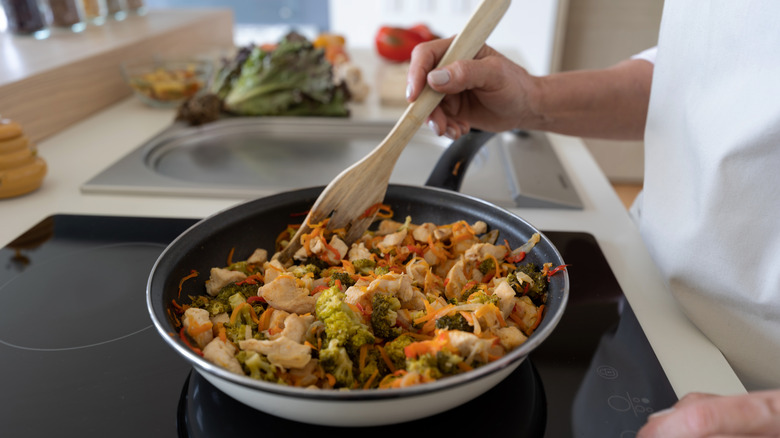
{"points": [[516, 258], [303, 213], [255, 299], [370, 210], [556, 270], [415, 249], [186, 341], [252, 279]]}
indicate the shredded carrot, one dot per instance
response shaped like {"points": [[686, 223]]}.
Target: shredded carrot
{"points": [[310, 345], [265, 319], [331, 379], [386, 358], [238, 308], [498, 265], [221, 332], [230, 256], [348, 267], [362, 357], [195, 329], [371, 379], [192, 274], [186, 341], [334, 251], [539, 312]]}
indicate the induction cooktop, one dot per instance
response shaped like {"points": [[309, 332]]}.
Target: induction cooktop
{"points": [[79, 355]]}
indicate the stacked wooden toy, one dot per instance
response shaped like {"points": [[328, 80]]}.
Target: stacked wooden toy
{"points": [[21, 169]]}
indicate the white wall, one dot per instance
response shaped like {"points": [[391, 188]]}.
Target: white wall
{"points": [[529, 27]]}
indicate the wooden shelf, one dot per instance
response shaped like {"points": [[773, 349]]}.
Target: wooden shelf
{"points": [[47, 85]]}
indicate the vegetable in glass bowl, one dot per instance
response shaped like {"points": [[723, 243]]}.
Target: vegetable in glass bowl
{"points": [[165, 83]]}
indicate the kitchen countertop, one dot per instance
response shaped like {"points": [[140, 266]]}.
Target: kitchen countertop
{"points": [[78, 153]]}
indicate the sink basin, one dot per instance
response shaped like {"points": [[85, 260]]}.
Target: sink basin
{"points": [[248, 157]]}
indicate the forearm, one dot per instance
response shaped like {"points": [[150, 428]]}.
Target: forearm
{"points": [[610, 103]]}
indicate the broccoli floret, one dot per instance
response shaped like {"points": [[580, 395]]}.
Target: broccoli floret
{"points": [[341, 323], [487, 265], [236, 300], [245, 289], [237, 331], [435, 366], [374, 366], [384, 314], [345, 279], [395, 350], [364, 266], [479, 296], [245, 267], [335, 361], [538, 291], [258, 367], [301, 270], [381, 270], [456, 321]]}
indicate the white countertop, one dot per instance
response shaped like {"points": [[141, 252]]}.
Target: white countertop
{"points": [[78, 153]]}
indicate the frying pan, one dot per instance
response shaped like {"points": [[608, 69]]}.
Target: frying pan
{"points": [[256, 223]]}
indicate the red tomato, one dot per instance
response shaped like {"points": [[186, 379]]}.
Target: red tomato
{"points": [[396, 44], [424, 32]]}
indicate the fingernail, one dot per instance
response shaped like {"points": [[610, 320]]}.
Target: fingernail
{"points": [[661, 413], [409, 89], [439, 77], [434, 127], [450, 133]]}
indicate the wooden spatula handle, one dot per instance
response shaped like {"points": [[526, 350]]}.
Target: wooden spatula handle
{"points": [[465, 46]]}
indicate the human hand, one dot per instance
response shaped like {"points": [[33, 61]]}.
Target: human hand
{"points": [[489, 92], [697, 415]]}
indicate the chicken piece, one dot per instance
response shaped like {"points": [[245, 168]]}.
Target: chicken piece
{"points": [[295, 326], [511, 337], [470, 346], [479, 227], [526, 309], [417, 270], [352, 76], [222, 318], [456, 280], [197, 324], [276, 322], [284, 294], [272, 269], [399, 285], [220, 278], [442, 233], [387, 226], [506, 298], [423, 232], [391, 240], [358, 294], [222, 353], [415, 302], [480, 251], [318, 247], [259, 256], [282, 351], [358, 252]]}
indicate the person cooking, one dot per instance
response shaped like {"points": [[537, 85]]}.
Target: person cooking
{"points": [[705, 101]]}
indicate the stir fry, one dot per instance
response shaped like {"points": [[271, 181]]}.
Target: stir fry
{"points": [[406, 304]]}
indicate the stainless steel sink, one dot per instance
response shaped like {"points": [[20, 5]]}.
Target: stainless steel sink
{"points": [[248, 157]]}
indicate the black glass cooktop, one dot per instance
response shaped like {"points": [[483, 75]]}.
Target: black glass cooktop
{"points": [[79, 355]]}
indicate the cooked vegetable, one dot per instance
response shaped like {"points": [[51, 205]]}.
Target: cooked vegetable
{"points": [[406, 304]]}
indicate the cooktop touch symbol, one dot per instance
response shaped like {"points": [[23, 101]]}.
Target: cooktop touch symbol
{"points": [[607, 372], [98, 297]]}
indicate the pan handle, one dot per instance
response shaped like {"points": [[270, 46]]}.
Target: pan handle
{"points": [[451, 167]]}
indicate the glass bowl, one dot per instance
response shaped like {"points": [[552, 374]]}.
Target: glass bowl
{"points": [[165, 83]]}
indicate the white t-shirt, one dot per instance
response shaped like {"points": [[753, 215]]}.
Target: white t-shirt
{"points": [[710, 211]]}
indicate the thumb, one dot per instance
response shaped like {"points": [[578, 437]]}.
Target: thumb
{"points": [[462, 75]]}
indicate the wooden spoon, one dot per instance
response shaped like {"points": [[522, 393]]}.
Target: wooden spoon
{"points": [[349, 198]]}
